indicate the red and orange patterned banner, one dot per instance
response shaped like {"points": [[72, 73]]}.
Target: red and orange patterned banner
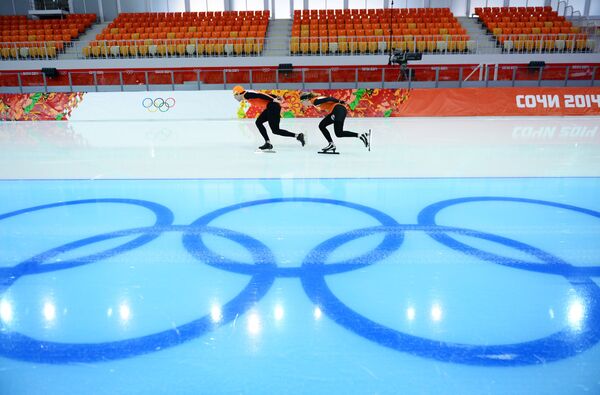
{"points": [[440, 102], [444, 102], [38, 106], [360, 102]]}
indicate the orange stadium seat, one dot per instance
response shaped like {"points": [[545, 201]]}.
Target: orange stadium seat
{"points": [[43, 38], [533, 28], [211, 32], [357, 31]]}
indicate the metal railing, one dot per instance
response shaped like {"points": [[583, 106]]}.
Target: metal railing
{"points": [[304, 78]]}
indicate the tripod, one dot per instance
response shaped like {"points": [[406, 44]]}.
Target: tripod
{"points": [[391, 30]]}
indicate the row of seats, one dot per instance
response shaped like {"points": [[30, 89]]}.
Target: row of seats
{"points": [[525, 18], [162, 48], [19, 29], [195, 33], [527, 29], [479, 11], [26, 38], [539, 43], [192, 32], [368, 31], [379, 30], [175, 16], [313, 14], [374, 45], [34, 50]]}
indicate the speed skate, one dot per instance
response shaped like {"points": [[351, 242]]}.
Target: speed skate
{"points": [[330, 149]]}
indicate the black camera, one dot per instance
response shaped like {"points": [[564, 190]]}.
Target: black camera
{"points": [[402, 57]]}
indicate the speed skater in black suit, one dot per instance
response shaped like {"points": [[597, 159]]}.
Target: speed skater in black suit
{"points": [[337, 112], [270, 114]]}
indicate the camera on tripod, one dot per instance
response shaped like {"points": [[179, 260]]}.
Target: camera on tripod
{"points": [[402, 57]]}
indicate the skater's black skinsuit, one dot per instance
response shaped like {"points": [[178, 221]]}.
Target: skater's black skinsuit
{"points": [[270, 114], [337, 116]]}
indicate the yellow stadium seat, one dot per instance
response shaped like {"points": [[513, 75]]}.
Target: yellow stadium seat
{"points": [[172, 49], [343, 46], [249, 46], [294, 45]]}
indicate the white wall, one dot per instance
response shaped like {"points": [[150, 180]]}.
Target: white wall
{"points": [[578, 5], [527, 3], [128, 106], [109, 8], [441, 4], [365, 3], [281, 9], [6, 7]]}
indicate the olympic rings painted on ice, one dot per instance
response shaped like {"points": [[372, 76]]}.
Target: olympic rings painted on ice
{"points": [[34, 265], [554, 347], [158, 104], [390, 243], [22, 347], [264, 270], [427, 217]]}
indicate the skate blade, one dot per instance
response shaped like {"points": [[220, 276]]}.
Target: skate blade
{"points": [[328, 152], [266, 151]]}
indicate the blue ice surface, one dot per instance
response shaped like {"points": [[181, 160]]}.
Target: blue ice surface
{"points": [[349, 286]]}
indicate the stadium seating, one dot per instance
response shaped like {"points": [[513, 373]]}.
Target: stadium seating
{"points": [[182, 34], [532, 29], [370, 31], [39, 39]]}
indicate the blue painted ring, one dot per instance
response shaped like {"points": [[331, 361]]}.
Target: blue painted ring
{"points": [[428, 214], [563, 344], [390, 243], [21, 347], [33, 265]]}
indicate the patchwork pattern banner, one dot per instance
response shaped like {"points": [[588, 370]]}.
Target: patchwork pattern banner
{"points": [[361, 103], [38, 106], [443, 102]]}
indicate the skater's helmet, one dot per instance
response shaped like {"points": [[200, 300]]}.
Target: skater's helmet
{"points": [[238, 89]]}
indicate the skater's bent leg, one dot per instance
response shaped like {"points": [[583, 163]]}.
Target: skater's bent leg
{"points": [[262, 118], [338, 125], [274, 125], [323, 127], [340, 132]]}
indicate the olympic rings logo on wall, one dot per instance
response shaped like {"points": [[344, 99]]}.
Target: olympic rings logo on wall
{"points": [[263, 270], [158, 104]]}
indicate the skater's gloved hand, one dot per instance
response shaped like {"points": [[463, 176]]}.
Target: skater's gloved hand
{"points": [[278, 99]]}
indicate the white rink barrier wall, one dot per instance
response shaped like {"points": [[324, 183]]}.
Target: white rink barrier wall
{"points": [[151, 106]]}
